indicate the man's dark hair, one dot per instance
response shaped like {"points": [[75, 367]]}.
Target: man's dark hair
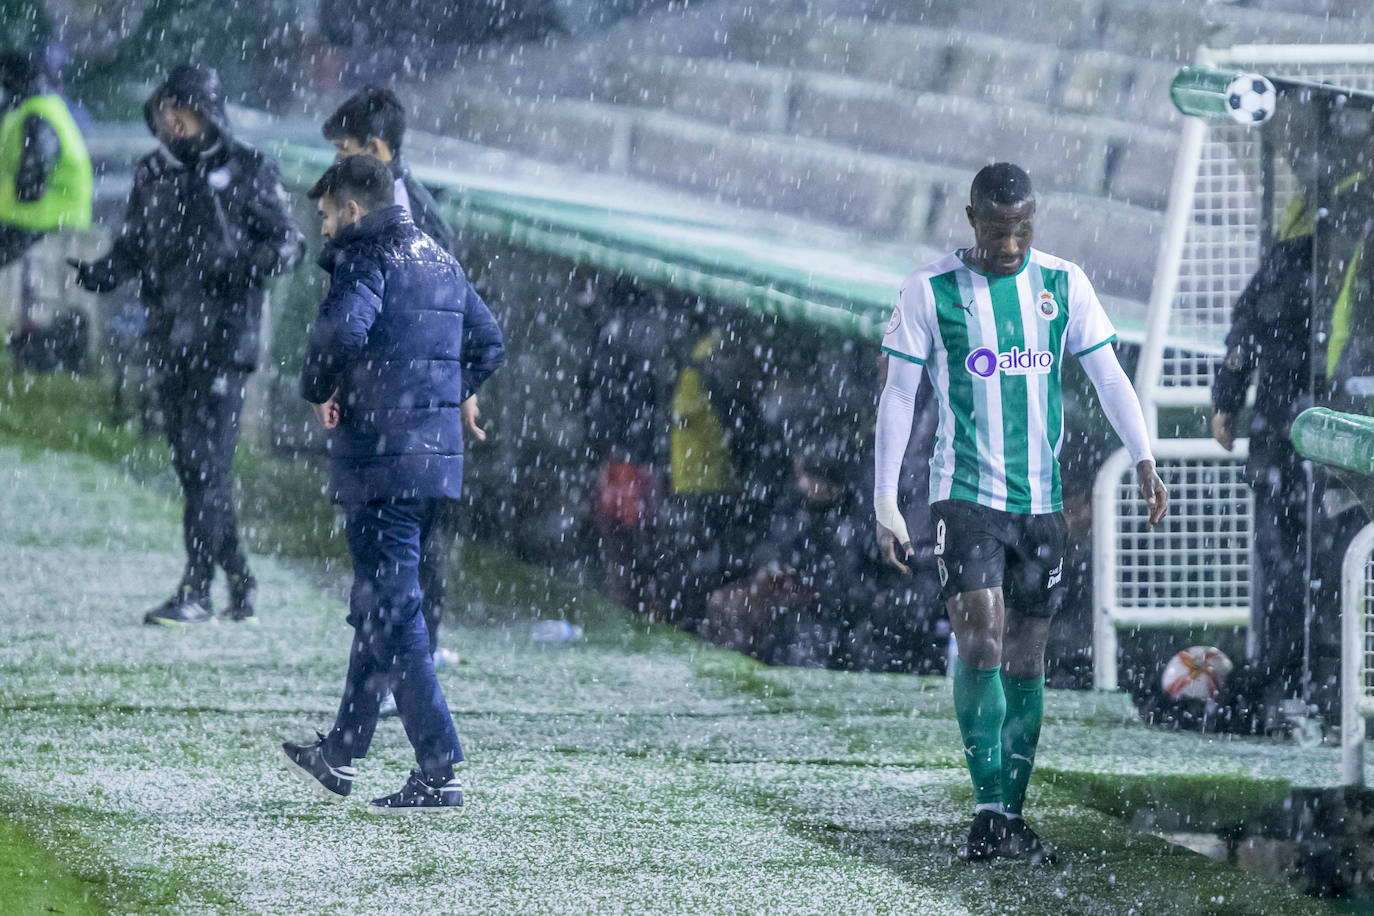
{"points": [[371, 112], [359, 178], [1001, 184]]}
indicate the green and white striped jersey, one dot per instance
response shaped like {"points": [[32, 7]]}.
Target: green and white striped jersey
{"points": [[992, 347]]}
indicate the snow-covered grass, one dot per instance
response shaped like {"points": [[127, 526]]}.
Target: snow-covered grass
{"points": [[638, 772]]}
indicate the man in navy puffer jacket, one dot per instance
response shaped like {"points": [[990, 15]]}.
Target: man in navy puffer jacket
{"points": [[400, 342]]}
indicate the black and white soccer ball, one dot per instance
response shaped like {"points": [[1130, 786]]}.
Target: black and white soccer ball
{"points": [[1251, 98]]}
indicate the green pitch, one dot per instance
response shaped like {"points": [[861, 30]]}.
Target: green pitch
{"points": [[638, 772]]}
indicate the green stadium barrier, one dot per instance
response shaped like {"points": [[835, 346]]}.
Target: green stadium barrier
{"points": [[1341, 440]]}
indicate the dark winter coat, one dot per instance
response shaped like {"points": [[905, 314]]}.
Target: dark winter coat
{"points": [[404, 339], [204, 237], [1270, 341], [424, 211]]}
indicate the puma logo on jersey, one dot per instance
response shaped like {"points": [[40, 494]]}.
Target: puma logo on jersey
{"points": [[1056, 574], [966, 308]]}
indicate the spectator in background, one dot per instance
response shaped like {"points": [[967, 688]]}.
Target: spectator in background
{"points": [[818, 592], [372, 122], [45, 171], [207, 226], [623, 427], [703, 491]]}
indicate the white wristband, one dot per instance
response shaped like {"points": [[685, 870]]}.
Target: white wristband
{"points": [[890, 517]]}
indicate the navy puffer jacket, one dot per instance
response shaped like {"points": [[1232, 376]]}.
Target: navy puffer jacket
{"points": [[404, 339]]}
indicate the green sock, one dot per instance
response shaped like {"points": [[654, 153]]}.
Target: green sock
{"points": [[980, 706], [1020, 735]]}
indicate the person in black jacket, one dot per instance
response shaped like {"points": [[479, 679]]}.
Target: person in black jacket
{"points": [[373, 123], [401, 340], [207, 225], [1270, 342]]}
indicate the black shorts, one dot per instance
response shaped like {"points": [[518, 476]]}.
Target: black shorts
{"points": [[977, 547]]}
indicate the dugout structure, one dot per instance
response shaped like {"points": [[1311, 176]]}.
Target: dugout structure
{"points": [[1233, 187]]}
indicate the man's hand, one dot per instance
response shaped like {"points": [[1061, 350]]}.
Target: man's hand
{"points": [[471, 414], [328, 412], [94, 277], [887, 546], [1224, 429], [1152, 490]]}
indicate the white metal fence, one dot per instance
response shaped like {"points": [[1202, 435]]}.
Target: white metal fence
{"points": [[1192, 569]]}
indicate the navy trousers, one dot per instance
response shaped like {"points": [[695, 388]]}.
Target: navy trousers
{"points": [[391, 642], [434, 549]]}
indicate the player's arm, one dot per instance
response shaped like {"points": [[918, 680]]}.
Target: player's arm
{"points": [[1122, 407], [896, 409], [907, 343], [1089, 336]]}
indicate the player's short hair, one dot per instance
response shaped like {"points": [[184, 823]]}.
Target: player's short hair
{"points": [[358, 178], [1001, 183], [370, 112]]}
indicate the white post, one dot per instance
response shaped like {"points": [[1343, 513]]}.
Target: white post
{"points": [[1164, 290], [1104, 569], [1354, 572]]}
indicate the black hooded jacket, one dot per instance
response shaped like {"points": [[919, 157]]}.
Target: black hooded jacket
{"points": [[204, 233], [423, 210]]}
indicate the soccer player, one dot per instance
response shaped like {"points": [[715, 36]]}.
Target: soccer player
{"points": [[990, 325]]}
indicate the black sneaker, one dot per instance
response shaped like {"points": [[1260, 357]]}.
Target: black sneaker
{"points": [[308, 763], [419, 797], [179, 610], [243, 595], [1022, 844], [986, 834]]}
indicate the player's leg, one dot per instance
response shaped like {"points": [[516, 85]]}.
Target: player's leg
{"points": [[1035, 572], [969, 560], [1023, 683], [979, 703]]}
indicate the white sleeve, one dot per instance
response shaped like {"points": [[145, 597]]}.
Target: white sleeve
{"points": [[896, 409], [1118, 401], [1089, 327], [908, 336]]}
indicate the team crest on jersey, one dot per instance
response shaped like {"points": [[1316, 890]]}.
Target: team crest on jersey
{"points": [[1047, 306], [895, 321]]}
